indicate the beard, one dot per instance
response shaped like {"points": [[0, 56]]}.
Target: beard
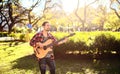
{"points": [[47, 29]]}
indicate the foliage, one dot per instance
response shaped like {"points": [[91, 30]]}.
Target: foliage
{"points": [[3, 34], [90, 42], [104, 43], [112, 24], [22, 36], [12, 13]]}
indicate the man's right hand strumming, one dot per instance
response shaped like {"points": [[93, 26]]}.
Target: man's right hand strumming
{"points": [[39, 45]]}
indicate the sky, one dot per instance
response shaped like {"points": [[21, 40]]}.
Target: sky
{"points": [[67, 5], [28, 3]]}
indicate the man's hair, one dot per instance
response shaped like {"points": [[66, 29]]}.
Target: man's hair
{"points": [[44, 23]]}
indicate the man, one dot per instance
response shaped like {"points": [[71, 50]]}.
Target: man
{"points": [[38, 40]]}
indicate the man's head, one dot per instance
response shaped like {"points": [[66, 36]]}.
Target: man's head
{"points": [[46, 26]]}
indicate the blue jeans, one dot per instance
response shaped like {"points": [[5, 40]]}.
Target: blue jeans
{"points": [[47, 61]]}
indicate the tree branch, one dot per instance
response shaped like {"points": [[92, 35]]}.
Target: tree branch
{"points": [[92, 3], [17, 21], [5, 18], [10, 11], [77, 13], [36, 21], [33, 6], [114, 9], [50, 7], [118, 1]]}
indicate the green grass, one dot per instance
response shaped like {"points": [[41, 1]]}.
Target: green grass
{"points": [[19, 59], [9, 54]]}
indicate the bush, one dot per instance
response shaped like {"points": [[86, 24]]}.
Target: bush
{"points": [[90, 42], [22, 37], [3, 34], [81, 46], [63, 48], [70, 46], [116, 46], [105, 43], [13, 35]]}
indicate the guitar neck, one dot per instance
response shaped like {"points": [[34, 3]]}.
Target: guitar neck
{"points": [[52, 44]]}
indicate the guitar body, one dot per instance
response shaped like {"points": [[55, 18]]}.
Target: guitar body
{"points": [[41, 52]]}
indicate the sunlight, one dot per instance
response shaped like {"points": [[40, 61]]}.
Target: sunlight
{"points": [[26, 3], [67, 5], [70, 5]]}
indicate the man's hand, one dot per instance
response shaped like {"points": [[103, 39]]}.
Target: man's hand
{"points": [[40, 45], [65, 40]]}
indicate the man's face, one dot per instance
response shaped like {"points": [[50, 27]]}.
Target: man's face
{"points": [[47, 27]]}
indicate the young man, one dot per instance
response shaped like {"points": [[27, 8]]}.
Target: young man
{"points": [[38, 40]]}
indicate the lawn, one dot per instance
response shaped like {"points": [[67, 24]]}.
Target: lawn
{"points": [[19, 59]]}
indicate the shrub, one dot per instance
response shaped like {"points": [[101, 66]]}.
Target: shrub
{"points": [[70, 46], [13, 35], [22, 37], [105, 43], [81, 46], [3, 34]]}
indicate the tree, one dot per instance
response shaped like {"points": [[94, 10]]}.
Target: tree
{"points": [[83, 20], [12, 13], [116, 10], [101, 16], [112, 24]]}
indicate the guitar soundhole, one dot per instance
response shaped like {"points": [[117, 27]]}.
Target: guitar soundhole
{"points": [[38, 47], [44, 47]]}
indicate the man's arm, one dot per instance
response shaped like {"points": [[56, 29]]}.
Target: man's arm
{"points": [[63, 41], [35, 39]]}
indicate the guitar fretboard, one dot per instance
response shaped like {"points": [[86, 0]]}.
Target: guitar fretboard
{"points": [[52, 44]]}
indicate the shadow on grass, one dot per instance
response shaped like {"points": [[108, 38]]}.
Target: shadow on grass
{"points": [[78, 66], [10, 44], [26, 62]]}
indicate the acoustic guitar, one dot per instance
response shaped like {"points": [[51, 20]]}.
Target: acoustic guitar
{"points": [[42, 52]]}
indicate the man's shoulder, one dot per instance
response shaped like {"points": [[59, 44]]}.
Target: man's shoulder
{"points": [[40, 32]]}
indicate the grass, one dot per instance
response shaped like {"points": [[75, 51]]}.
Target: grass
{"points": [[9, 54], [18, 58]]}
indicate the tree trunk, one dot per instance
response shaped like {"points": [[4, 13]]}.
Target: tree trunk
{"points": [[29, 18], [10, 28], [1, 27]]}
